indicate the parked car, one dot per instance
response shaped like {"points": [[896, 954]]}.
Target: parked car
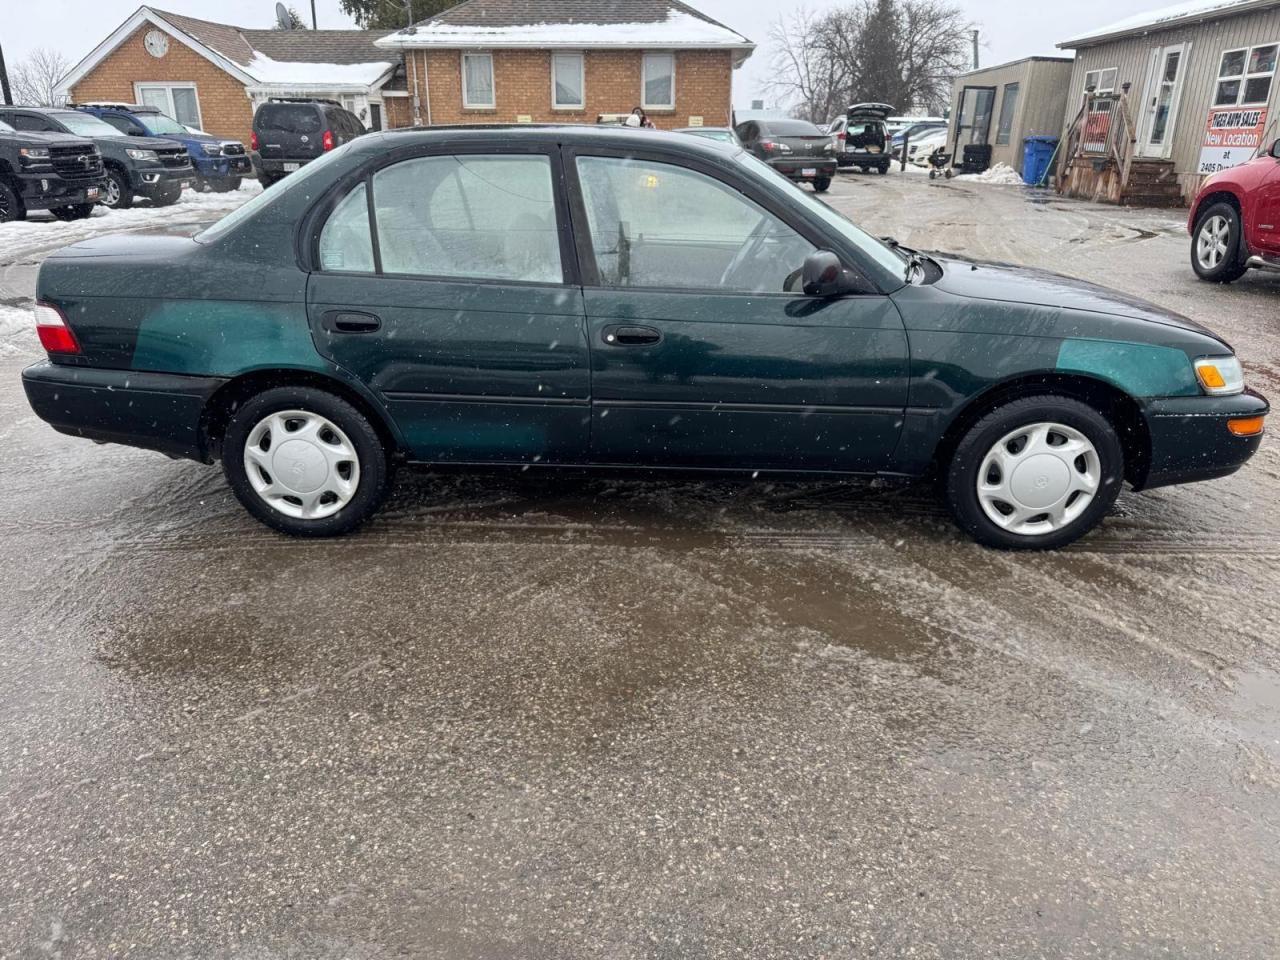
{"points": [[794, 148], [866, 141], [427, 296], [1233, 220], [289, 133], [220, 164], [135, 166], [723, 134], [835, 130], [48, 171], [914, 131], [919, 148]]}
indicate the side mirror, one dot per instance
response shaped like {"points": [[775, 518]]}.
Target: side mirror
{"points": [[823, 276], [1275, 150]]}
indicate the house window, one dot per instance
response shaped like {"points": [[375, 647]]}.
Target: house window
{"points": [[477, 81], [1008, 107], [177, 100], [1244, 76], [567, 84], [1102, 81], [659, 81]]}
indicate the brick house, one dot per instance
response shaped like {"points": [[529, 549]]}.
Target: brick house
{"points": [[482, 61], [505, 61]]}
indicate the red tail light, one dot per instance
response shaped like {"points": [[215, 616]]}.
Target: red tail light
{"points": [[840, 136], [326, 141], [253, 140], [768, 146], [51, 327]]}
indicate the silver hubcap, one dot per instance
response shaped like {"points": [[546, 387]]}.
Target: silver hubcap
{"points": [[1038, 478], [301, 464], [113, 193], [1211, 244]]}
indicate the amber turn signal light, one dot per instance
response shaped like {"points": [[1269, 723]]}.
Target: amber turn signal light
{"points": [[1245, 426]]}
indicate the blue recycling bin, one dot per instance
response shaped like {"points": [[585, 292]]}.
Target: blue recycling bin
{"points": [[1037, 154]]}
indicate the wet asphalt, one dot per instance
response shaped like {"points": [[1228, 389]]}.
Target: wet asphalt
{"points": [[536, 716]]}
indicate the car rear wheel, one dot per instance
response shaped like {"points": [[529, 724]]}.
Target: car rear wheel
{"points": [[78, 211], [822, 185], [1035, 474], [167, 195], [222, 184], [11, 205], [305, 462], [1215, 245]]}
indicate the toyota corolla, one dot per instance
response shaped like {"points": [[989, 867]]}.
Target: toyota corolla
{"points": [[576, 296]]}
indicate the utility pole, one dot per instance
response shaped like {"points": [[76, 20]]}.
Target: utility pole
{"points": [[975, 48], [4, 82], [313, 15]]}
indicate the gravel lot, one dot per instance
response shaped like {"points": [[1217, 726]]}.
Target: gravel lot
{"points": [[527, 716]]}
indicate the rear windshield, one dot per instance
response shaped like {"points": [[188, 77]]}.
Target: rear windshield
{"points": [[793, 128], [289, 117]]}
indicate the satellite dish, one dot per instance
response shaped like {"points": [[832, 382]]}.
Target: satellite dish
{"points": [[282, 17]]}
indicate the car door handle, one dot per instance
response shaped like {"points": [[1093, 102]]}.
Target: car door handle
{"points": [[630, 335], [351, 321]]}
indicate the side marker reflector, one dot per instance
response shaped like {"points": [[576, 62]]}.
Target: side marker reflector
{"points": [[1245, 426]]}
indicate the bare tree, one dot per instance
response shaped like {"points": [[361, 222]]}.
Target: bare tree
{"points": [[35, 79], [905, 52]]}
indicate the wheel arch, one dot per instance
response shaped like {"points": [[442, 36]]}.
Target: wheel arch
{"points": [[1218, 196], [223, 403], [1122, 410]]}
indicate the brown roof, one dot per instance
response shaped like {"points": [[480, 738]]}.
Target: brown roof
{"points": [[290, 46], [519, 13]]}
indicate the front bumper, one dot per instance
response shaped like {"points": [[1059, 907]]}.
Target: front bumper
{"points": [[795, 168], [39, 192], [221, 167], [156, 179], [156, 411], [1190, 440]]}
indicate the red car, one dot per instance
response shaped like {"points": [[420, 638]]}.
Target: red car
{"points": [[1235, 220]]}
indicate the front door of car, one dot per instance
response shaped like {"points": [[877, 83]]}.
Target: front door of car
{"points": [[703, 351], [1267, 207], [440, 283]]}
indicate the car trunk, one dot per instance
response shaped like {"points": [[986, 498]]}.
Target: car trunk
{"points": [[809, 145], [289, 131]]}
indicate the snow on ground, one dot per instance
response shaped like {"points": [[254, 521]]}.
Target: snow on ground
{"points": [[1001, 174], [17, 331], [22, 236]]}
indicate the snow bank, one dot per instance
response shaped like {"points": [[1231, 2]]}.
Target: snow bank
{"points": [[1001, 174], [21, 237], [679, 29], [17, 332], [328, 75], [1162, 17]]}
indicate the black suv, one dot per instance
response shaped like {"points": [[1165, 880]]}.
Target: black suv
{"points": [[48, 171], [154, 168], [288, 133]]}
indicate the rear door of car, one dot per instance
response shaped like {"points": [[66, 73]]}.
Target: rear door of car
{"points": [[446, 281], [703, 353]]}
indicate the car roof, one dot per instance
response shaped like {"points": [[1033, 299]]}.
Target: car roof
{"points": [[622, 138]]}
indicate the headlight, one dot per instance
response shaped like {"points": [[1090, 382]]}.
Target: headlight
{"points": [[141, 154], [34, 153], [212, 149], [1220, 375]]}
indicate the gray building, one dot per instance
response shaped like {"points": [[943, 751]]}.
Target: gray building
{"points": [[1004, 104], [1159, 100]]}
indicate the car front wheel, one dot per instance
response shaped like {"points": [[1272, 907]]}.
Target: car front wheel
{"points": [[11, 205], [305, 462], [77, 211], [1035, 474], [118, 195], [1215, 245]]}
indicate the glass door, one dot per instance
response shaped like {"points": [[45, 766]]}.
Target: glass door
{"points": [[1164, 88]]}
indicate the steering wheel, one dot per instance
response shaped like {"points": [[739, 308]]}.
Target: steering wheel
{"points": [[751, 248]]}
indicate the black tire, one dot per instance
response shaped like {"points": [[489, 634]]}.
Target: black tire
{"points": [[822, 185], [167, 195], [118, 181], [79, 211], [884, 168], [1232, 265], [221, 184], [267, 179], [960, 479], [11, 205], [372, 457]]}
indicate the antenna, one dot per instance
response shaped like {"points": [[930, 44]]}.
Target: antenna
{"points": [[282, 17]]}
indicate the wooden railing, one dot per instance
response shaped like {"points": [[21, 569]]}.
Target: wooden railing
{"points": [[1102, 130]]}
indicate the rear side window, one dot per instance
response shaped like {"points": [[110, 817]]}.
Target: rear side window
{"points": [[481, 217], [289, 117]]}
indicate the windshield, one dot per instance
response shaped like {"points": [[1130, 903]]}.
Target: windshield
{"points": [[84, 124], [868, 244], [159, 123]]}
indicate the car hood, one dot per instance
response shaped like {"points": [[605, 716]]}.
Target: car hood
{"points": [[53, 139], [1012, 284]]}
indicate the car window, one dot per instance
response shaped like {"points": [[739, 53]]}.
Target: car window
{"points": [[27, 121], [346, 243], [489, 217], [85, 124], [288, 117], [661, 225], [123, 124]]}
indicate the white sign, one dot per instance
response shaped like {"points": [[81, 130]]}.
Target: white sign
{"points": [[1231, 137]]}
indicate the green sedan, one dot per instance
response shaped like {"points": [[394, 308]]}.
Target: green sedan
{"points": [[579, 296]]}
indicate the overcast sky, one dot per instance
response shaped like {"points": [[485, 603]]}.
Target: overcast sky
{"points": [[1010, 28]]}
